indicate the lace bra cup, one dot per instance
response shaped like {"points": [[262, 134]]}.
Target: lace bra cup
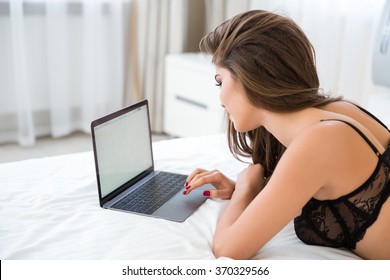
{"points": [[343, 222]]}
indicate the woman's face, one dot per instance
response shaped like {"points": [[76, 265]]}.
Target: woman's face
{"points": [[242, 113]]}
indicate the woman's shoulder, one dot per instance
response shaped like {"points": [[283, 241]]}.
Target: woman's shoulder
{"points": [[362, 119], [319, 145], [345, 107], [328, 154], [331, 143], [336, 134], [324, 132]]}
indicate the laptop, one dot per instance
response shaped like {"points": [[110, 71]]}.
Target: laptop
{"points": [[125, 172]]}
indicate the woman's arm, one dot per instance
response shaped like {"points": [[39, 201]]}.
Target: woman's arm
{"points": [[252, 176], [252, 218]]}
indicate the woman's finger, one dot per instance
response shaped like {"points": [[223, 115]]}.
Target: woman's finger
{"points": [[193, 174], [207, 177], [199, 177], [216, 193], [197, 181]]}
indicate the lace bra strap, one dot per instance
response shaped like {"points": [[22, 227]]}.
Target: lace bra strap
{"points": [[360, 133]]}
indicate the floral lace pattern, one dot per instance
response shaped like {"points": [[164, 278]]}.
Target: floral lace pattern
{"points": [[344, 221]]}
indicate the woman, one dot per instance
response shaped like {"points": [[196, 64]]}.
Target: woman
{"points": [[320, 160]]}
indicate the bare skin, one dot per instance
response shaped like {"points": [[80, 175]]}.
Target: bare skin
{"points": [[256, 213]]}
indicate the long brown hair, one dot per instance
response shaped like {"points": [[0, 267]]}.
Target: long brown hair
{"points": [[275, 62]]}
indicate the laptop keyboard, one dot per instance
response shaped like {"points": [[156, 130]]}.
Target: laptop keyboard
{"points": [[153, 194]]}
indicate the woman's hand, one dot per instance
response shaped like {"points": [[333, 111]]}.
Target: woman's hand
{"points": [[199, 177]]}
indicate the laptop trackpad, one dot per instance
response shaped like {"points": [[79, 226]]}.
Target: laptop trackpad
{"points": [[180, 207]]}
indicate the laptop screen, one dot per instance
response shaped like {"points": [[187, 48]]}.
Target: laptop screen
{"points": [[123, 149]]}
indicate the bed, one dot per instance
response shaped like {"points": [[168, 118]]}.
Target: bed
{"points": [[49, 210]]}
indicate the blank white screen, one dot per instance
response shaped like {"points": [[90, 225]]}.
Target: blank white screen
{"points": [[123, 149]]}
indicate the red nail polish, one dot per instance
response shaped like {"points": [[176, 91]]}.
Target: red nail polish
{"points": [[206, 193], [185, 192], [186, 184], [187, 187]]}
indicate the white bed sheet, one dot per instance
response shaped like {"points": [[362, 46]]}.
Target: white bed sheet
{"points": [[49, 210]]}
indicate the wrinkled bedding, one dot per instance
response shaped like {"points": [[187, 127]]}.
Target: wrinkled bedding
{"points": [[49, 210]]}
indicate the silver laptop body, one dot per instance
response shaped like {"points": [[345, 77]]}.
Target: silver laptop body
{"points": [[125, 172]]}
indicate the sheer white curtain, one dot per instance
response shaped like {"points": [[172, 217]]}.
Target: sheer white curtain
{"points": [[217, 11], [158, 28], [61, 66]]}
